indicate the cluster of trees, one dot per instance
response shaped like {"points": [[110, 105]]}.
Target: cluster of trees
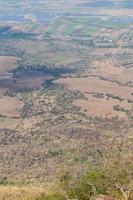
{"points": [[115, 97], [109, 176], [110, 179], [7, 33], [121, 109]]}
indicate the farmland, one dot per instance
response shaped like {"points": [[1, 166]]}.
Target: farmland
{"points": [[100, 95], [66, 99]]}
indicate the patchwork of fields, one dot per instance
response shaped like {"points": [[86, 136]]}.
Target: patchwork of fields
{"points": [[101, 96], [66, 98]]}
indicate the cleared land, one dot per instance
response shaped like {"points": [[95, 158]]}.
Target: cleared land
{"points": [[21, 193], [7, 63], [52, 132], [10, 106], [125, 77], [95, 105]]}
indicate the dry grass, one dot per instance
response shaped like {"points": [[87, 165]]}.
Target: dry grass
{"points": [[108, 68], [10, 106], [102, 107], [94, 84], [7, 63], [98, 106], [125, 77], [20, 193]]}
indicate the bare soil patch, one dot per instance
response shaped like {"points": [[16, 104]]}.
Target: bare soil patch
{"points": [[99, 106], [102, 107], [94, 84], [10, 106], [108, 68], [8, 122], [7, 63], [125, 77]]}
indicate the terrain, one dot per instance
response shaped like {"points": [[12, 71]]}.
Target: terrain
{"points": [[66, 100]]}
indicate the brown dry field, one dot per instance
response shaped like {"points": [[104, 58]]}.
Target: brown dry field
{"points": [[7, 63], [102, 107], [111, 69], [9, 111], [10, 106], [8, 123], [112, 72], [21, 193], [98, 106], [94, 84], [125, 77], [108, 68]]}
